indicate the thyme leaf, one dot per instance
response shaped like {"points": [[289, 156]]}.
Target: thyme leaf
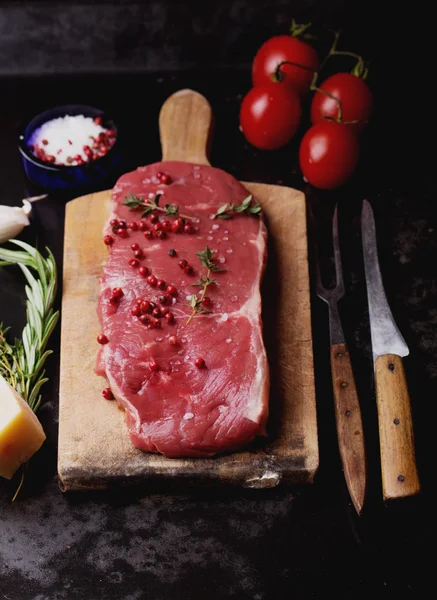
{"points": [[196, 305], [205, 281], [226, 210], [171, 209], [133, 202], [206, 258], [150, 205]]}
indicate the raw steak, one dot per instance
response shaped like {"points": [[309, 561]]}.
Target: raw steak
{"points": [[172, 406]]}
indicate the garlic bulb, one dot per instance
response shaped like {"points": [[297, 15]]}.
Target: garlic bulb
{"points": [[13, 219]]}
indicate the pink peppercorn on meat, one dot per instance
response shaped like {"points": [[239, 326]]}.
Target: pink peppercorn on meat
{"points": [[180, 308]]}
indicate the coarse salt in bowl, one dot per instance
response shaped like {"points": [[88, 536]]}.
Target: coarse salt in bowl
{"points": [[70, 146], [72, 139]]}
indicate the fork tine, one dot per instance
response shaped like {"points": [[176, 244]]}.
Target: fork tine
{"points": [[337, 254], [320, 290]]}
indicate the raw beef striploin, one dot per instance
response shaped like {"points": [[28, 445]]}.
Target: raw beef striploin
{"points": [[172, 406]]}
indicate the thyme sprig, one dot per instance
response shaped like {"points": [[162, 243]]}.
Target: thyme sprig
{"points": [[246, 207], [208, 261], [149, 206]]}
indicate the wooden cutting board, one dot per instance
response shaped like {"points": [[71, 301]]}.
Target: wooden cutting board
{"points": [[94, 447]]}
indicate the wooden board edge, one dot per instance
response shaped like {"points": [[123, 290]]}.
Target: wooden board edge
{"points": [[313, 457], [72, 479]]}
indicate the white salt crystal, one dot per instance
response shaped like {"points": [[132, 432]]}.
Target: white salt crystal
{"points": [[68, 134]]}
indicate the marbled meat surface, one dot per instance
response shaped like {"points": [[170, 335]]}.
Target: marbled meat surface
{"points": [[172, 405]]}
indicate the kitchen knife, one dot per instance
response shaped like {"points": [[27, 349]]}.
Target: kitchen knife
{"points": [[396, 436]]}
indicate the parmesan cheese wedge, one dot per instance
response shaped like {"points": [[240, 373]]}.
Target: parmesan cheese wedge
{"points": [[21, 434]]}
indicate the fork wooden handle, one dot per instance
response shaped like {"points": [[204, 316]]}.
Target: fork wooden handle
{"points": [[349, 425], [396, 438]]}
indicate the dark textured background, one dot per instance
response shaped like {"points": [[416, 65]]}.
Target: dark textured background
{"points": [[161, 35], [56, 37], [127, 57]]}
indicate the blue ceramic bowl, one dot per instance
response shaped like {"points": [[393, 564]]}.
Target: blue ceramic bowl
{"points": [[48, 176]]}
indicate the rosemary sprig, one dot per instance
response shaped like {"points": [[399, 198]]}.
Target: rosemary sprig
{"points": [[246, 207], [22, 362], [207, 259], [149, 206]]}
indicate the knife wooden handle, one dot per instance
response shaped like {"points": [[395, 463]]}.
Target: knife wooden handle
{"points": [[396, 437], [349, 425]]}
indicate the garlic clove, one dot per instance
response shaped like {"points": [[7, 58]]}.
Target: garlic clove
{"points": [[27, 203], [27, 207], [13, 220]]}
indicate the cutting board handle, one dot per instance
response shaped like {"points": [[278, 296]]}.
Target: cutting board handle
{"points": [[185, 123]]}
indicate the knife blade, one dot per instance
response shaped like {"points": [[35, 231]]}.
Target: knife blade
{"points": [[396, 436]]}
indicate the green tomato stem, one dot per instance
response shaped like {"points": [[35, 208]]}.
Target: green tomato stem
{"points": [[278, 75], [297, 30], [314, 88], [359, 69]]}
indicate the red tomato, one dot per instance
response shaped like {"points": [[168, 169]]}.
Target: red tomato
{"points": [[328, 154], [355, 97], [279, 49], [270, 115]]}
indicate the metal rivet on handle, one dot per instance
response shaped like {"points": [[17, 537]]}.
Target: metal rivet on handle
{"points": [[396, 421], [343, 384], [339, 354], [401, 478], [348, 413], [391, 367]]}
